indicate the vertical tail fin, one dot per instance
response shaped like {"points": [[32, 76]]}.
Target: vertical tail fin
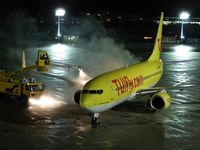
{"points": [[157, 45], [23, 60]]}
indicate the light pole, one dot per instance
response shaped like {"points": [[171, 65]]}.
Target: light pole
{"points": [[59, 12], [183, 16]]}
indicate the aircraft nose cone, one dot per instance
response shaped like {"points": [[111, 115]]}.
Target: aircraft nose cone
{"points": [[85, 101]]}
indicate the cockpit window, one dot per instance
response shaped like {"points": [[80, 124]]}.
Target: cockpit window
{"points": [[92, 91], [43, 56]]}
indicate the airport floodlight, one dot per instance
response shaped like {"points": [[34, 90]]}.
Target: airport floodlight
{"points": [[59, 12], [183, 16]]}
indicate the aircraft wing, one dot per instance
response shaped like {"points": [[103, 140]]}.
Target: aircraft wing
{"points": [[149, 90]]}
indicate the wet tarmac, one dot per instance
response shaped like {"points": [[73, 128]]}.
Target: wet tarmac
{"points": [[61, 124]]}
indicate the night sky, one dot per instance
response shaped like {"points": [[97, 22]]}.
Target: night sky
{"points": [[141, 7]]}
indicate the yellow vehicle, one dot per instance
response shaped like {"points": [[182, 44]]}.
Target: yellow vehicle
{"points": [[24, 88]]}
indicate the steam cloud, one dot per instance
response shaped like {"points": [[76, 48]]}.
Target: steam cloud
{"points": [[100, 52], [104, 54], [97, 53]]}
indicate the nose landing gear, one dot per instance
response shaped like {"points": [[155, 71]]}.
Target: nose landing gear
{"points": [[94, 120]]}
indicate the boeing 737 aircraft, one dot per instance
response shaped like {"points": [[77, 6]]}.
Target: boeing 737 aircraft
{"points": [[115, 87]]}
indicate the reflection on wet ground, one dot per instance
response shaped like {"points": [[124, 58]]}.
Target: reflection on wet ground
{"points": [[63, 125]]}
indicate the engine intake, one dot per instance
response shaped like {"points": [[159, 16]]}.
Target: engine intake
{"points": [[160, 100]]}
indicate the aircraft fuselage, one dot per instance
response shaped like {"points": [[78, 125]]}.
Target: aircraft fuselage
{"points": [[112, 88]]}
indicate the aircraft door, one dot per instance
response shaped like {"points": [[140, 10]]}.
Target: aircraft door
{"points": [[112, 90]]}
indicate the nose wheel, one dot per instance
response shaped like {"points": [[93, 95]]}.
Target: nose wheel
{"points": [[94, 120]]}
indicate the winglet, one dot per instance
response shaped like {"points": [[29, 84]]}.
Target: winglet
{"points": [[157, 46], [23, 60]]}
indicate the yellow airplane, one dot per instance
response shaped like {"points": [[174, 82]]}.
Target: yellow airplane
{"points": [[115, 87]]}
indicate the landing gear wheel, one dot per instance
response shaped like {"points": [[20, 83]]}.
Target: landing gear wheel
{"points": [[94, 121]]}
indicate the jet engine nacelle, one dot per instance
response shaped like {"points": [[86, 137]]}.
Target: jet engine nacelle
{"points": [[77, 97], [160, 100]]}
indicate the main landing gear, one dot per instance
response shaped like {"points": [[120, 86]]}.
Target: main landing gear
{"points": [[94, 120]]}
